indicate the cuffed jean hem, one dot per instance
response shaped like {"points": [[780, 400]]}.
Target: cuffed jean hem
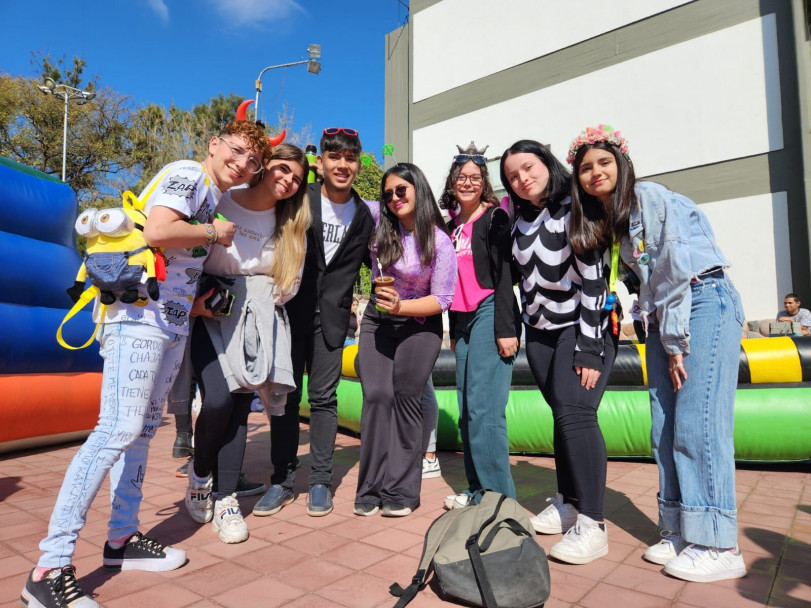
{"points": [[669, 515], [709, 526]]}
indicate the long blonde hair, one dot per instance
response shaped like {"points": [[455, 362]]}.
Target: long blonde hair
{"points": [[292, 221]]}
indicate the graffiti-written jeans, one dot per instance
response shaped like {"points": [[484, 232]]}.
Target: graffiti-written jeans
{"points": [[140, 365]]}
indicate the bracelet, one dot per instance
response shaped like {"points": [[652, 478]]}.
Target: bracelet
{"points": [[211, 234]]}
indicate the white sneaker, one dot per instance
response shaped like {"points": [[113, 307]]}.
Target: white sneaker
{"points": [[430, 468], [666, 549], [557, 518], [198, 498], [706, 564], [583, 543], [456, 501], [228, 521]]}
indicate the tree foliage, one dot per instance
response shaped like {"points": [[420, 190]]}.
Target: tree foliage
{"points": [[112, 143]]}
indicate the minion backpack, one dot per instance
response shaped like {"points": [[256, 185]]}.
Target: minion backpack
{"points": [[117, 260]]}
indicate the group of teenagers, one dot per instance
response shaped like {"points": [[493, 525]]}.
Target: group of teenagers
{"points": [[289, 253]]}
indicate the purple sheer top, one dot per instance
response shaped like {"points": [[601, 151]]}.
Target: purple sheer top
{"points": [[412, 279]]}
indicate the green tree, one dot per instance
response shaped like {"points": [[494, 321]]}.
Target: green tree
{"points": [[31, 124], [367, 185]]}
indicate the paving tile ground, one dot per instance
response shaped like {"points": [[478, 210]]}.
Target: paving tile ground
{"points": [[294, 560]]}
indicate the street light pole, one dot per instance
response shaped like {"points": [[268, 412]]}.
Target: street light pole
{"points": [[313, 67], [67, 93]]}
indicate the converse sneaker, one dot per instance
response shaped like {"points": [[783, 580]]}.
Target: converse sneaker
{"points": [[57, 589], [143, 553], [430, 468], [584, 542], [557, 518], [666, 549], [456, 501], [228, 521], [198, 498], [701, 564]]}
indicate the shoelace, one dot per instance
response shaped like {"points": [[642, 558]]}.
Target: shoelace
{"points": [[694, 552], [150, 544], [67, 585], [669, 536]]}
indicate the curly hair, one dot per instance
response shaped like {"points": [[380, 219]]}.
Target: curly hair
{"points": [[448, 198], [253, 134]]}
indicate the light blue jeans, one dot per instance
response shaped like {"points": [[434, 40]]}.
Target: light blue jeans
{"points": [[691, 432], [140, 366]]}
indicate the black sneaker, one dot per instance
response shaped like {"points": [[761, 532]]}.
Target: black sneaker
{"points": [[183, 469], [57, 589], [143, 553]]}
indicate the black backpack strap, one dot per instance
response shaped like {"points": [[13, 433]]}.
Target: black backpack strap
{"points": [[512, 524], [489, 507], [433, 538]]}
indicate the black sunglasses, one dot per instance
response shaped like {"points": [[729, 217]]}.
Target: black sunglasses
{"points": [[400, 191], [476, 158], [336, 130]]}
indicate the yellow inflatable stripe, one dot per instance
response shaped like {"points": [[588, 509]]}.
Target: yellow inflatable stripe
{"points": [[773, 360], [641, 349], [348, 361]]}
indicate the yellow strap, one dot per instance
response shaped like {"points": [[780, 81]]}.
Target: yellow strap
{"points": [[88, 296], [615, 258]]}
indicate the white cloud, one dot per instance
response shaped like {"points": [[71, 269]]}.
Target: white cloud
{"points": [[160, 9], [255, 12]]}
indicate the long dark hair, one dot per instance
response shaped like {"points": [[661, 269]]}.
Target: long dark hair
{"points": [[448, 198], [590, 226], [557, 188], [386, 239]]}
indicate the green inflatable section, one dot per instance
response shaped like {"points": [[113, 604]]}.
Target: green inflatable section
{"points": [[771, 424]]}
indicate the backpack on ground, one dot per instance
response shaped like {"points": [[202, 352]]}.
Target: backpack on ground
{"points": [[485, 555]]}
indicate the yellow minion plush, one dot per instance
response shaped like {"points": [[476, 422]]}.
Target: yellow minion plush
{"points": [[117, 255]]}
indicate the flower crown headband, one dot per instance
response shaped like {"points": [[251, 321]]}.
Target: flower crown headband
{"points": [[593, 135]]}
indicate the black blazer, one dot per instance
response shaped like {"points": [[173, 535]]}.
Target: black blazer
{"points": [[328, 288], [491, 245]]}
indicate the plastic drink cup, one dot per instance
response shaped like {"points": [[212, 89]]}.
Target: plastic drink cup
{"points": [[380, 282]]}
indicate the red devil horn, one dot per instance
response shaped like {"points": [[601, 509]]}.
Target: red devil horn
{"points": [[242, 109], [275, 141]]}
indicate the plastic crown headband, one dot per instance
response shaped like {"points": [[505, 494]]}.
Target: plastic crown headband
{"points": [[594, 135]]}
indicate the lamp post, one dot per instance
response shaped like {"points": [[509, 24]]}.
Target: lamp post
{"points": [[313, 67], [67, 93]]}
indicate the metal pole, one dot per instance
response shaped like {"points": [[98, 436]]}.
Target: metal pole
{"points": [[65, 138], [259, 83]]}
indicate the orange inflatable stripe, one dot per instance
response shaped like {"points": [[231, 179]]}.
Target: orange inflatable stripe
{"points": [[36, 405]]}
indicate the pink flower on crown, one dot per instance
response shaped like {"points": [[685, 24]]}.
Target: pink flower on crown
{"points": [[593, 135]]}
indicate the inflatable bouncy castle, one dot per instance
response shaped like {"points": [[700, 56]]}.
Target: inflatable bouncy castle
{"points": [[772, 405], [49, 394]]}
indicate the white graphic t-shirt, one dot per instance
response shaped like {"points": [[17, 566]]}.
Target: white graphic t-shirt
{"points": [[335, 218], [252, 249], [185, 187]]}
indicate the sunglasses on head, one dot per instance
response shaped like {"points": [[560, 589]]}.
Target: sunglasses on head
{"points": [[336, 130], [476, 158], [400, 191]]}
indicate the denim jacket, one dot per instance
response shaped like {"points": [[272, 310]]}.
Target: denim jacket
{"points": [[681, 245]]}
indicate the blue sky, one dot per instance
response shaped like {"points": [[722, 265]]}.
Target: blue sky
{"points": [[185, 52]]}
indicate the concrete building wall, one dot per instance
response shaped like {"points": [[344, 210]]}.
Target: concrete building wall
{"points": [[705, 91]]}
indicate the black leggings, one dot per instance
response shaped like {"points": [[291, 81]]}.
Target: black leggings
{"points": [[580, 456], [222, 426]]}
